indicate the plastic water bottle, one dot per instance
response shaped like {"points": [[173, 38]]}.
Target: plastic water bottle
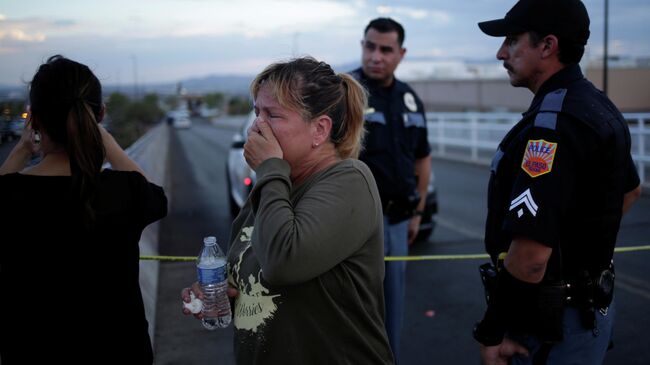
{"points": [[213, 278]]}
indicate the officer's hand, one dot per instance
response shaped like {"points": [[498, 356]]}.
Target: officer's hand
{"points": [[501, 354], [414, 227]]}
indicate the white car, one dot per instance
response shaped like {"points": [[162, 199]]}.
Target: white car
{"points": [[179, 119], [240, 176]]}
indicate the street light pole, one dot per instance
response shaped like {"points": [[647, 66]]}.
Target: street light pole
{"points": [[605, 46], [135, 76]]}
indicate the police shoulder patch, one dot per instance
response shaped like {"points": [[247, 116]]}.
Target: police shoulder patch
{"points": [[538, 157]]}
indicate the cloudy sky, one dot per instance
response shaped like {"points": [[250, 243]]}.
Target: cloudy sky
{"points": [[169, 40]]}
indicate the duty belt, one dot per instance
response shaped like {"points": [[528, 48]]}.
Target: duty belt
{"points": [[592, 291], [398, 210]]}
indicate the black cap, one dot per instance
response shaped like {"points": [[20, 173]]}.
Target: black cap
{"points": [[566, 19]]}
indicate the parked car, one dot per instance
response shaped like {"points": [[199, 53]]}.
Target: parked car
{"points": [[240, 176], [241, 179], [11, 129], [16, 127]]}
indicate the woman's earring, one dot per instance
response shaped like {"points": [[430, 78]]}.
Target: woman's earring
{"points": [[36, 137]]}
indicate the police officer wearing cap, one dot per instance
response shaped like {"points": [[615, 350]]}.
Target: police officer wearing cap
{"points": [[561, 180], [397, 151]]}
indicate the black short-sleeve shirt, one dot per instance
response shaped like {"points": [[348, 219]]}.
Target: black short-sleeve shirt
{"points": [[396, 136], [68, 292], [560, 174]]}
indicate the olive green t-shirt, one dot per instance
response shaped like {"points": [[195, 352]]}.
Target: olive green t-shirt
{"points": [[308, 263]]}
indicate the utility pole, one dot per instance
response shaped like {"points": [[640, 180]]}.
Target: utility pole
{"points": [[135, 76], [605, 46]]}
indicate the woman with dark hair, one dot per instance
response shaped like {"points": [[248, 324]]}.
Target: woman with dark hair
{"points": [[69, 255], [306, 253]]}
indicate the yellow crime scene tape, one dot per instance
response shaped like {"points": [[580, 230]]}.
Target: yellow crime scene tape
{"points": [[401, 258]]}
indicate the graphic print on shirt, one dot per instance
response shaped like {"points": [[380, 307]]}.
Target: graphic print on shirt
{"points": [[538, 158], [253, 307]]}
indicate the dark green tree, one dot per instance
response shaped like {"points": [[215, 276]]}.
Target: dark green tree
{"points": [[128, 120], [214, 100], [239, 105]]}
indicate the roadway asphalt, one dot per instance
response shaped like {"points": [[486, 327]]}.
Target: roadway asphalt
{"points": [[198, 208]]}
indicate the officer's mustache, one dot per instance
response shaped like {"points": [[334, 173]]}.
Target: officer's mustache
{"points": [[508, 67]]}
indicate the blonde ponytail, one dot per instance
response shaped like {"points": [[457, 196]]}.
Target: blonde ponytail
{"points": [[356, 99]]}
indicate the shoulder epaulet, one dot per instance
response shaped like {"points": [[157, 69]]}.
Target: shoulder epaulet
{"points": [[551, 106]]}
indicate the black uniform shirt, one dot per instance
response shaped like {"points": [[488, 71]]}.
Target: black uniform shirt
{"points": [[560, 174], [396, 136]]}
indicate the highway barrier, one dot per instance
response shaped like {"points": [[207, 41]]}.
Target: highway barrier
{"points": [[150, 153]]}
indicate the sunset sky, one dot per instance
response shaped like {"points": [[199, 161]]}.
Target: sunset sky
{"points": [[169, 40]]}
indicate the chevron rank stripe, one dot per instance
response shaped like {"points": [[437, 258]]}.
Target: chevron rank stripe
{"points": [[525, 198]]}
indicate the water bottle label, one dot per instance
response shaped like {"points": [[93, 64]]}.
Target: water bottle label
{"points": [[211, 275]]}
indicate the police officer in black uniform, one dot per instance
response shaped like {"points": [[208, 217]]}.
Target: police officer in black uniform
{"points": [[397, 151], [561, 180]]}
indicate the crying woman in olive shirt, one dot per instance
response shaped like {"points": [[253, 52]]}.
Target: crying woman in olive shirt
{"points": [[306, 256]]}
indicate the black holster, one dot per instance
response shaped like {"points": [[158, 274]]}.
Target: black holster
{"points": [[488, 274], [591, 293], [541, 315], [398, 210]]}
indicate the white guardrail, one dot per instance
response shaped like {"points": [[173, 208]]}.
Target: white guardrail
{"points": [[474, 137]]}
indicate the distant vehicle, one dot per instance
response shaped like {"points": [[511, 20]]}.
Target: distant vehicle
{"points": [[241, 178], [12, 128], [179, 119], [16, 127]]}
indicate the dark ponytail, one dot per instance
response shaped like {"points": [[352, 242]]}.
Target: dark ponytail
{"points": [[66, 102]]}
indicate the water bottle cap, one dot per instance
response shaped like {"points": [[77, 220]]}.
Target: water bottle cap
{"points": [[210, 240]]}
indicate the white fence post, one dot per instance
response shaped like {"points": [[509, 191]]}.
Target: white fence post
{"points": [[441, 135], [473, 135], [641, 149]]}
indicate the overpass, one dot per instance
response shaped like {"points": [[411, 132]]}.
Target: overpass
{"points": [[444, 297]]}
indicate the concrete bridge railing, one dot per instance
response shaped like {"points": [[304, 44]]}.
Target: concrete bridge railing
{"points": [[151, 153]]}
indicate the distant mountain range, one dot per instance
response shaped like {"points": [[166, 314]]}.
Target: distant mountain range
{"points": [[234, 85], [230, 84]]}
